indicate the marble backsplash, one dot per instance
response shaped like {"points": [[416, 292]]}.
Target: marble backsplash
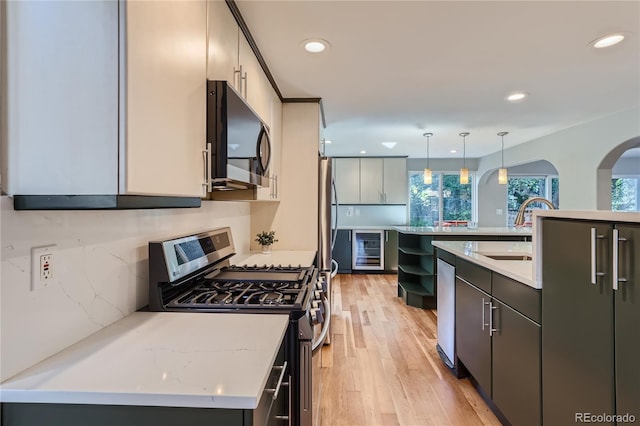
{"points": [[100, 270]]}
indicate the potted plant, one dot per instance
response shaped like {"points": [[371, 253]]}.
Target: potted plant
{"points": [[265, 239]]}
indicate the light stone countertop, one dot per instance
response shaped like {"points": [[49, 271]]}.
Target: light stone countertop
{"points": [[459, 230], [368, 227], [158, 359], [475, 251], [276, 257]]}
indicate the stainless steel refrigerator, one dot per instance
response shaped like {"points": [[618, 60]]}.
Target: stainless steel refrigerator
{"points": [[327, 229]]}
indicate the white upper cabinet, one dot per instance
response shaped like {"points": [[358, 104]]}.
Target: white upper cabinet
{"points": [[371, 191], [223, 44], [164, 95], [395, 181], [347, 177], [371, 180], [105, 97], [61, 89]]}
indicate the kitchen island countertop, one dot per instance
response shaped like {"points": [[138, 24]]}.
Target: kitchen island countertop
{"points": [[159, 359], [476, 251], [461, 230]]}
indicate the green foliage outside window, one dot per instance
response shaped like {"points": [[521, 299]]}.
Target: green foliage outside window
{"points": [[424, 200], [624, 194]]}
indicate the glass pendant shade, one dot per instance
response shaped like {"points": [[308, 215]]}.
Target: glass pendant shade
{"points": [[502, 176], [464, 176], [427, 177], [464, 172], [503, 179]]}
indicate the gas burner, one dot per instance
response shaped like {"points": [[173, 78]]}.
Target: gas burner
{"points": [[278, 286], [271, 298], [225, 298], [228, 285]]}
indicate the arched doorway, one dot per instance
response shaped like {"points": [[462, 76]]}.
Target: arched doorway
{"points": [[619, 178]]}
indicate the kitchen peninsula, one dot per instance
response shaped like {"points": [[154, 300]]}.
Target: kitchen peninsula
{"points": [[578, 278]]}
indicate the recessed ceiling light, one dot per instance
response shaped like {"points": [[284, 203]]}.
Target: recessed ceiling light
{"points": [[516, 96], [453, 151], [315, 45], [389, 145], [608, 40], [328, 141], [363, 152]]}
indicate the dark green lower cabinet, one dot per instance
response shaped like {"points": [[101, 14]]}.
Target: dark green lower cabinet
{"points": [[501, 349], [473, 342], [627, 320], [341, 252], [516, 344]]}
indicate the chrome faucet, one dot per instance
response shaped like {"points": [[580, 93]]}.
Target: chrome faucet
{"points": [[520, 217]]}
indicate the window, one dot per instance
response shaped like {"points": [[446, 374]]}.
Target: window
{"points": [[624, 194], [522, 188], [445, 202]]}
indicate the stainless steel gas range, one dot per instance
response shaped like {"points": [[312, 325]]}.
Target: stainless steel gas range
{"points": [[192, 273]]}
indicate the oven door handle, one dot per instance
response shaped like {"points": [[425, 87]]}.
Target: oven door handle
{"points": [[325, 326]]}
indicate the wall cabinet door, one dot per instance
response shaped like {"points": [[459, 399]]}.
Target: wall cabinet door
{"points": [[473, 341], [347, 175], [371, 174], [223, 44], [61, 94], [395, 181], [516, 387], [578, 334], [627, 321], [119, 109], [165, 93]]}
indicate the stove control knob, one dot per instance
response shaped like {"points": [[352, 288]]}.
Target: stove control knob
{"points": [[316, 316], [317, 295], [317, 305], [319, 286]]}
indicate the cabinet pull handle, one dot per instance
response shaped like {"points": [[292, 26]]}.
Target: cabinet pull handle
{"points": [[276, 390], [207, 180], [491, 309], [238, 71], [349, 235], [616, 259], [594, 273], [386, 236], [483, 305]]}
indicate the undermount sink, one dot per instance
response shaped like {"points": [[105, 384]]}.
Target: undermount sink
{"points": [[508, 256]]}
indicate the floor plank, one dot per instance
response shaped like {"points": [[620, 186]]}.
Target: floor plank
{"points": [[382, 367]]}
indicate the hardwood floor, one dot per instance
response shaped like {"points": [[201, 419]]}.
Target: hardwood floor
{"points": [[382, 367]]}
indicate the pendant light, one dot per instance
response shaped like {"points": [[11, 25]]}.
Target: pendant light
{"points": [[464, 172], [427, 176], [502, 172]]}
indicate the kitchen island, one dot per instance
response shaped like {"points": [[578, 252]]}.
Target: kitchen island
{"points": [[417, 275], [490, 324], [154, 368]]}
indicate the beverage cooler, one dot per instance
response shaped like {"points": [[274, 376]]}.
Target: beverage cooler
{"points": [[368, 250]]}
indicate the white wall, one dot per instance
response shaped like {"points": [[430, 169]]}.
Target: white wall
{"points": [[100, 270], [295, 217], [576, 153]]}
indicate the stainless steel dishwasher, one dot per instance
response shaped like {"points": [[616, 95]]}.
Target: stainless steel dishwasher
{"points": [[446, 312]]}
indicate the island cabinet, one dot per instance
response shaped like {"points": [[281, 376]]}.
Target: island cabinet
{"points": [[591, 312], [108, 83], [416, 283], [498, 340]]}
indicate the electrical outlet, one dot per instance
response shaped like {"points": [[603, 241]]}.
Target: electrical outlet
{"points": [[42, 260]]}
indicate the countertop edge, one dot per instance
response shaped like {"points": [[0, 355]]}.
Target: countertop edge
{"points": [[498, 266], [525, 232]]}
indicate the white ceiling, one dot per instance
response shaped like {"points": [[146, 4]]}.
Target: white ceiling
{"points": [[397, 69]]}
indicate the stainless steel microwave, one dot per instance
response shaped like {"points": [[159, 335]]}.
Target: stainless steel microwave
{"points": [[238, 141]]}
